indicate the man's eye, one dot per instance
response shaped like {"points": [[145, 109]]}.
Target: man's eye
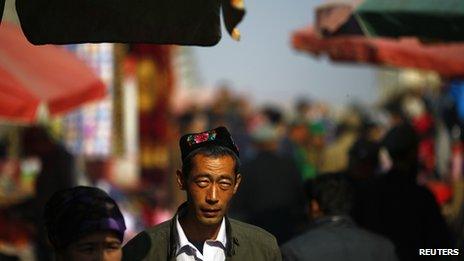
{"points": [[225, 184], [202, 183], [86, 250], [113, 246]]}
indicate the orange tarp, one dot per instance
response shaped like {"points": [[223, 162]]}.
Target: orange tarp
{"points": [[445, 59]]}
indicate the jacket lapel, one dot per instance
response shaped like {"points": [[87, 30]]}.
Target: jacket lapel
{"points": [[173, 239], [232, 241], [231, 244]]}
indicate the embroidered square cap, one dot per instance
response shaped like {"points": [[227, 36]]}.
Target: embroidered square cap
{"points": [[219, 136]]}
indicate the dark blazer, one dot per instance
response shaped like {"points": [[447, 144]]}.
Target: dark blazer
{"points": [[338, 238], [271, 196], [244, 242]]}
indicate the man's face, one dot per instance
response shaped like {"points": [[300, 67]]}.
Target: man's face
{"points": [[98, 246], [210, 186]]}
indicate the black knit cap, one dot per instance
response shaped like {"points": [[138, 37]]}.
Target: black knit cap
{"points": [[219, 136], [80, 211]]}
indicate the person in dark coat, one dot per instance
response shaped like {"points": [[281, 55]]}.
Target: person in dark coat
{"points": [[333, 236], [201, 230], [271, 195], [397, 207], [57, 172], [57, 164]]}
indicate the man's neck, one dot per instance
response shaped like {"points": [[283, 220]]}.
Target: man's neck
{"points": [[195, 231]]}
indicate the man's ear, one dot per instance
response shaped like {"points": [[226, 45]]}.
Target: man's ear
{"points": [[238, 179], [180, 180]]}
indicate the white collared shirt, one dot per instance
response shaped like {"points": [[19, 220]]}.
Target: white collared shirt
{"points": [[213, 250]]}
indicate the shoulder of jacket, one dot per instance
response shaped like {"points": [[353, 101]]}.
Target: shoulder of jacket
{"points": [[309, 237], [253, 233], [377, 238], [160, 228], [158, 232], [148, 244]]}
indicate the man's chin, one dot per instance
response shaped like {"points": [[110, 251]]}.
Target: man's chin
{"points": [[210, 221]]}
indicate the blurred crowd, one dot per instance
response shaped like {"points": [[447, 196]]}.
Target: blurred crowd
{"points": [[403, 160]]}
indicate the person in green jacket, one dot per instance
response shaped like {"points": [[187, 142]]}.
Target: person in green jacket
{"points": [[200, 230]]}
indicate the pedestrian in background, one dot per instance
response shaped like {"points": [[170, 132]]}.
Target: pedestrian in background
{"points": [[395, 206], [333, 236], [84, 223], [271, 195]]}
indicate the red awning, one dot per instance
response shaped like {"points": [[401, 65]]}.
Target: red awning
{"points": [[33, 75], [445, 59]]}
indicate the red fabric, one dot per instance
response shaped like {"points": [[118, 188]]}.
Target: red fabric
{"points": [[32, 74], [442, 192], [13, 231], [423, 124], [155, 122], [447, 60]]}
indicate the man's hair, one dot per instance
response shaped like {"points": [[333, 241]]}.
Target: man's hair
{"points": [[401, 141], [214, 151], [363, 159], [332, 192]]}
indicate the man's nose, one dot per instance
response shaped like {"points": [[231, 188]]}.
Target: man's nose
{"points": [[212, 195]]}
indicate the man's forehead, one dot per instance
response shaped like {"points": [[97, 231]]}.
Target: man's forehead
{"points": [[204, 162], [213, 159]]}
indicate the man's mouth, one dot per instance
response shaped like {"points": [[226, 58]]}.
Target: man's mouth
{"points": [[210, 212]]}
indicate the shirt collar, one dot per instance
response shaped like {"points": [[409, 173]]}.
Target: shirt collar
{"points": [[222, 236], [183, 240], [174, 235]]}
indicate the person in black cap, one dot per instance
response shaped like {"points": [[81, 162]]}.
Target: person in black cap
{"points": [[200, 230], [84, 223], [397, 207]]}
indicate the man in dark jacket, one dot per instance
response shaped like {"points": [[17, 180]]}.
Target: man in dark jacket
{"points": [[395, 206], [333, 235], [200, 230], [271, 195]]}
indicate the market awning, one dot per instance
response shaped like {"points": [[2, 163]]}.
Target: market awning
{"points": [[183, 22], [335, 17], [47, 76], [427, 19], [445, 59]]}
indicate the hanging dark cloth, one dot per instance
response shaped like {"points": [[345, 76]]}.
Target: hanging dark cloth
{"points": [[182, 22], [2, 6]]}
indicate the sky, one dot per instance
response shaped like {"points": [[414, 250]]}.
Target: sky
{"points": [[264, 66]]}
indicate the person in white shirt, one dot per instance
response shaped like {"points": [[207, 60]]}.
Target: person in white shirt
{"points": [[200, 230]]}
